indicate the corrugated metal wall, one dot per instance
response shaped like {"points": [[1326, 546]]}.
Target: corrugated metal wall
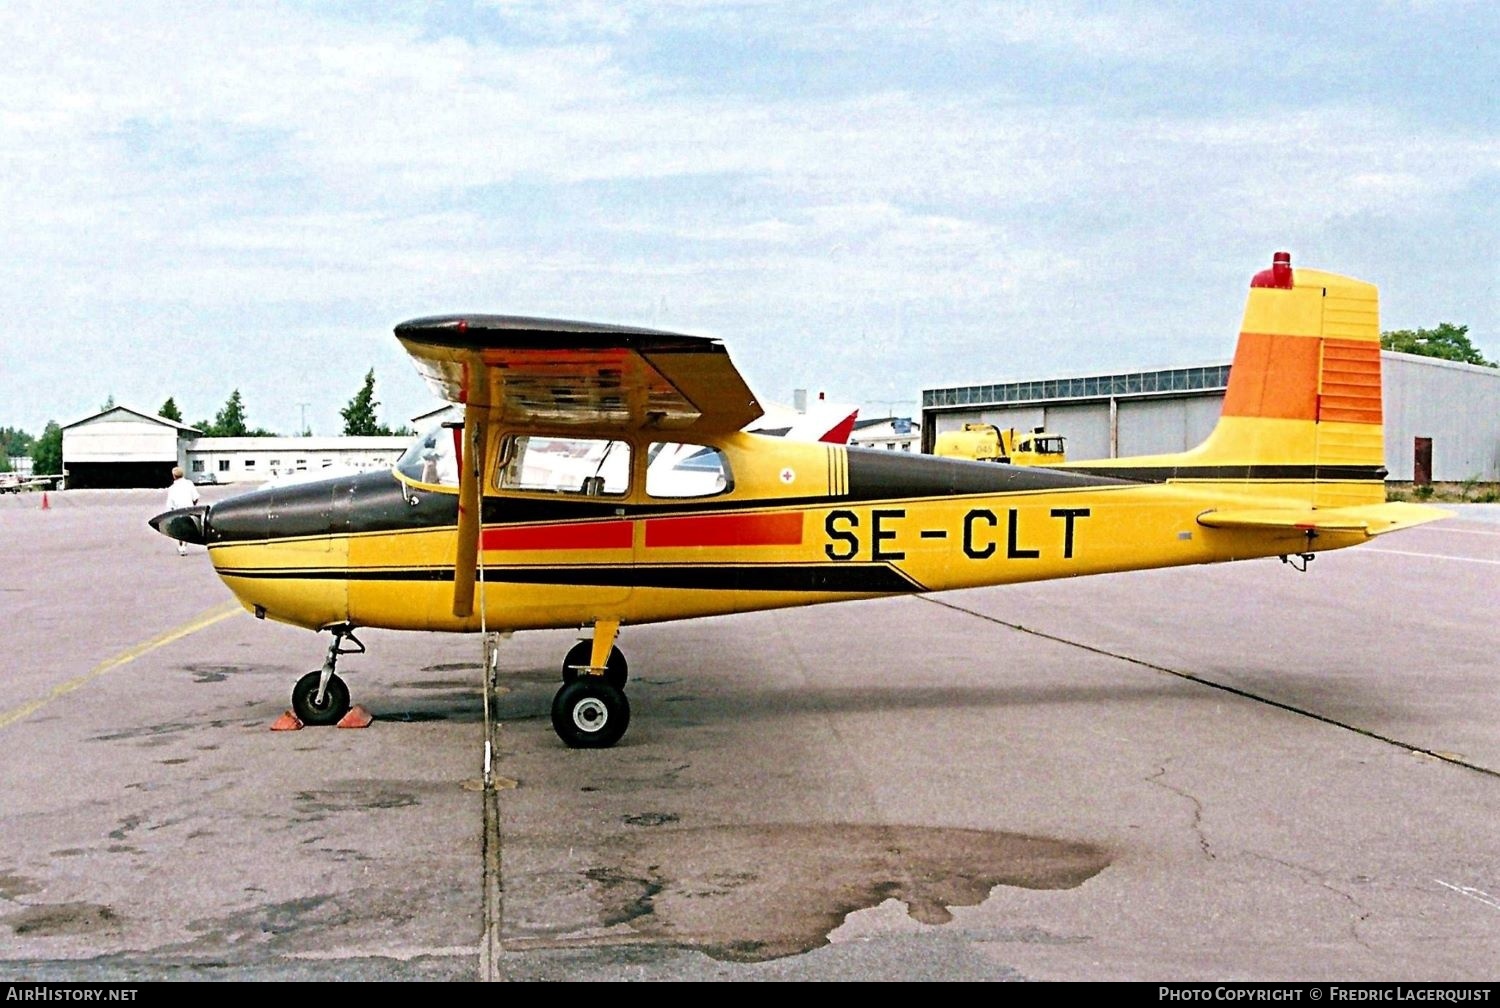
{"points": [[1456, 405]]}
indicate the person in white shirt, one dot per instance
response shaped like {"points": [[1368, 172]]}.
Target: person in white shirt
{"points": [[181, 494]]}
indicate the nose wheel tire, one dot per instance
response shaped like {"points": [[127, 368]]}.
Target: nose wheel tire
{"points": [[305, 703], [616, 670], [590, 713]]}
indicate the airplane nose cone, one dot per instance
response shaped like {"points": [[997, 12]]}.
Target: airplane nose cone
{"points": [[184, 524]]}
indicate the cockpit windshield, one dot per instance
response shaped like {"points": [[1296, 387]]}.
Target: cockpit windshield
{"points": [[433, 457]]}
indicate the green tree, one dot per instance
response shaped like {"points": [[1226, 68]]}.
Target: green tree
{"points": [[230, 421], [359, 416], [1447, 341], [109, 403], [169, 410], [13, 441], [46, 454]]}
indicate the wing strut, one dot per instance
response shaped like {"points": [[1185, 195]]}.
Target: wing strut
{"points": [[470, 500]]}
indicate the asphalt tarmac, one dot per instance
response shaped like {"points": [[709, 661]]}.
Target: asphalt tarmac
{"points": [[1229, 773]]}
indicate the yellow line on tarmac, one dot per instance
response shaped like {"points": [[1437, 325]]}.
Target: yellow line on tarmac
{"points": [[206, 619]]}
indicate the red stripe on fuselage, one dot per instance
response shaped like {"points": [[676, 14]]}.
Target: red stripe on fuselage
{"points": [[784, 529], [574, 535]]}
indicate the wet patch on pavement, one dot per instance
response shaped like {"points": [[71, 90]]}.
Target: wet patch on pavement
{"points": [[754, 893], [156, 734], [269, 922], [50, 920], [209, 672], [312, 806], [147, 732], [12, 885], [651, 819], [127, 825]]}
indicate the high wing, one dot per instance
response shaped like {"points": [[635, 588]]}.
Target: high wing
{"points": [[549, 372], [540, 373]]}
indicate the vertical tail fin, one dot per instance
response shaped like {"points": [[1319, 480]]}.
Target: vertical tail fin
{"points": [[1302, 416], [1303, 408]]}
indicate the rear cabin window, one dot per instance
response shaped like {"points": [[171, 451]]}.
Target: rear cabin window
{"points": [[686, 470]]}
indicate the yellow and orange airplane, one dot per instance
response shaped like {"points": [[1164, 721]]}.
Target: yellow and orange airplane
{"points": [[602, 477]]}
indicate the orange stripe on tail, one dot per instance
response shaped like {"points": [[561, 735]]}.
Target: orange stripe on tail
{"points": [[1273, 376]]}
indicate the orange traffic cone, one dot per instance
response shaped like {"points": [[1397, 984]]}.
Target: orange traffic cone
{"points": [[287, 722], [45, 505]]}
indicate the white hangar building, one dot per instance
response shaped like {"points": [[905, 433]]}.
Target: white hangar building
{"points": [[121, 447], [1439, 414]]}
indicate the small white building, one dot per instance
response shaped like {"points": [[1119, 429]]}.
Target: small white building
{"points": [[261, 459], [890, 433]]}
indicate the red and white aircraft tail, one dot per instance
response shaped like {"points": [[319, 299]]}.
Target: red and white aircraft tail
{"points": [[821, 421]]}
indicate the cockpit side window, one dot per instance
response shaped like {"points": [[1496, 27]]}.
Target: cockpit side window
{"points": [[686, 470], [433, 457], [593, 467]]}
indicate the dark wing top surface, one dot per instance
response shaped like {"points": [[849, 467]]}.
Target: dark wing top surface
{"points": [[554, 372]]}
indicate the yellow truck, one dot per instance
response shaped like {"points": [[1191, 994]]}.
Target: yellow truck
{"points": [[988, 443]]}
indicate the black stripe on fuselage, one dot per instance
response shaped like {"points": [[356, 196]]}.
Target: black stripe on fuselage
{"points": [[1231, 473], [879, 475], [838, 578]]}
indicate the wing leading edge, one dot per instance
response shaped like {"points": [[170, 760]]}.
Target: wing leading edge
{"points": [[537, 372]]}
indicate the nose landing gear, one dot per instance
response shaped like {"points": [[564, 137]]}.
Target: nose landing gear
{"points": [[321, 697]]}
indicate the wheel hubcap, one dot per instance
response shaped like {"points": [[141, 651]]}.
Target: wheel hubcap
{"points": [[590, 714]]}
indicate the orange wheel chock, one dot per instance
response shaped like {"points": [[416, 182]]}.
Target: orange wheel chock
{"points": [[287, 722], [357, 717]]}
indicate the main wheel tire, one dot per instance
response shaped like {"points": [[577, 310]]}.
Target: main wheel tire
{"points": [[616, 672], [305, 699], [590, 714]]}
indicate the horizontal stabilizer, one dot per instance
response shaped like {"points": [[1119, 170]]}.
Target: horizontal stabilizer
{"points": [[1371, 519]]}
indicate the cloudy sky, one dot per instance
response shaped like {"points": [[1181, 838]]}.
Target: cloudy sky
{"points": [[862, 199]]}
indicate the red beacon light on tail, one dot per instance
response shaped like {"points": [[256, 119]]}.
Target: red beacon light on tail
{"points": [[1279, 275]]}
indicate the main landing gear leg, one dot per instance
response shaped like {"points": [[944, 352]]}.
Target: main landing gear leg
{"points": [[590, 711], [320, 697]]}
